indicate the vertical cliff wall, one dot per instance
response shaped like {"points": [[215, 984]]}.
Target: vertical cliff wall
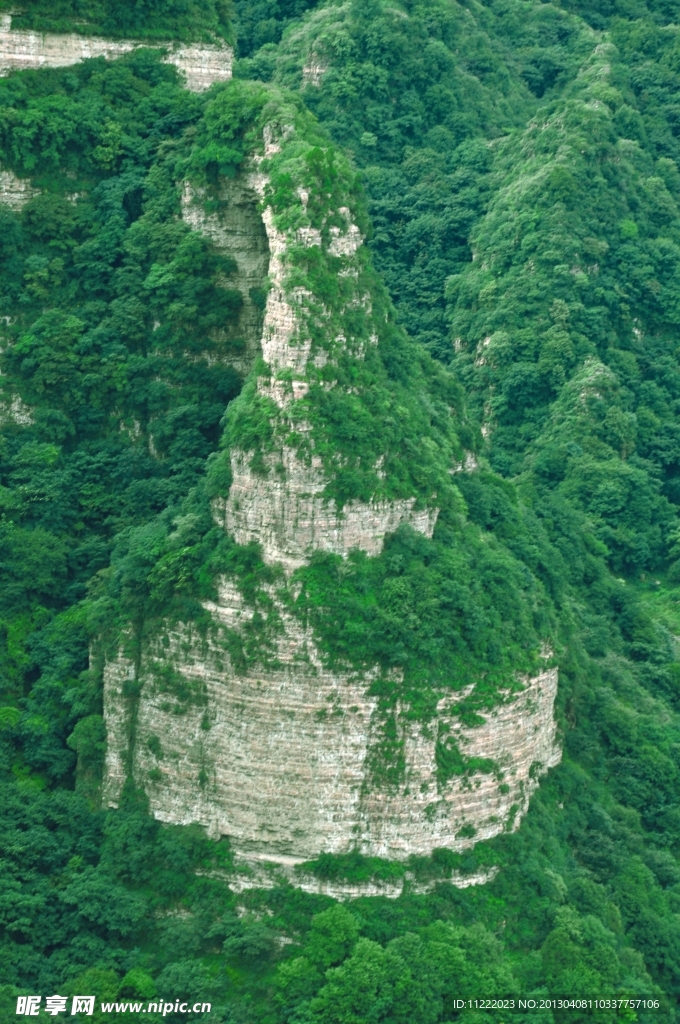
{"points": [[247, 727], [201, 65], [279, 759]]}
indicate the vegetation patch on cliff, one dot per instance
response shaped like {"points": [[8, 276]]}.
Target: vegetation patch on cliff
{"points": [[444, 614]]}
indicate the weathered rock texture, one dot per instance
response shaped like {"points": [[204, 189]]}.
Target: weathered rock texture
{"points": [[278, 759], [285, 510], [289, 517], [518, 736], [236, 229], [254, 873], [15, 192], [276, 750], [201, 64], [314, 70]]}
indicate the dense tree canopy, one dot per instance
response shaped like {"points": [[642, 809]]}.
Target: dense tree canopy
{"points": [[519, 163], [165, 20]]}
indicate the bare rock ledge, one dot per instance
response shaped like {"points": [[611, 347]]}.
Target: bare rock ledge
{"points": [[201, 64]]}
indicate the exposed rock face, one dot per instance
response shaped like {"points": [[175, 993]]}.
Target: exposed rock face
{"points": [[279, 759], [287, 514], [519, 737], [314, 70], [282, 771], [201, 64], [14, 411], [237, 230], [254, 872], [15, 192]]}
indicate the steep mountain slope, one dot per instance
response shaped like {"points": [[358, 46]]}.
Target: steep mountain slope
{"points": [[519, 168]]}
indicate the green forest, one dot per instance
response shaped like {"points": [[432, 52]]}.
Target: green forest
{"points": [[163, 20], [515, 166]]}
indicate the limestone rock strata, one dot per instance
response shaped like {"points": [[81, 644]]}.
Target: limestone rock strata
{"points": [[251, 733], [287, 514], [15, 192], [19, 50], [283, 757], [251, 874], [518, 736], [278, 758]]}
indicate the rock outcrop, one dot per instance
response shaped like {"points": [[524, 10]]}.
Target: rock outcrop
{"points": [[286, 510], [257, 872], [278, 750], [201, 65], [288, 515], [15, 192], [236, 229], [279, 759]]}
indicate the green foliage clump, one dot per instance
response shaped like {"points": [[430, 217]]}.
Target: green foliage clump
{"points": [[262, 22], [353, 867], [93, 881], [227, 132], [435, 615]]}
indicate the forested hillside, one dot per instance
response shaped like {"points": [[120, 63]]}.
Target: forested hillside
{"points": [[519, 168]]}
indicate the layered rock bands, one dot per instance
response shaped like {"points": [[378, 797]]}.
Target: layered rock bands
{"points": [[201, 65], [280, 760]]}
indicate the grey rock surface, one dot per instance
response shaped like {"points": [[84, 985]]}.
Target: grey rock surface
{"points": [[201, 65], [278, 759]]}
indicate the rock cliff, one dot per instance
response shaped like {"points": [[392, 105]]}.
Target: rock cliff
{"points": [[277, 749], [278, 759], [236, 229], [200, 64]]}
